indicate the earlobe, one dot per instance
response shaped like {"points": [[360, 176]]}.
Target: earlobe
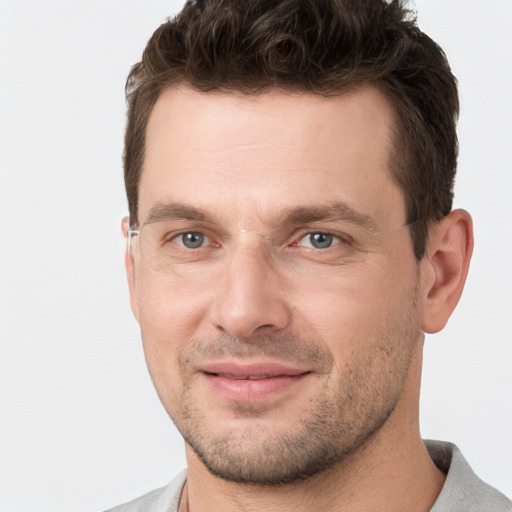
{"points": [[130, 269], [445, 268]]}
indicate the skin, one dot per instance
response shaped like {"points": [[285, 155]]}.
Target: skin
{"points": [[349, 318]]}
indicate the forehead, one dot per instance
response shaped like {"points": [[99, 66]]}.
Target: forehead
{"points": [[248, 155]]}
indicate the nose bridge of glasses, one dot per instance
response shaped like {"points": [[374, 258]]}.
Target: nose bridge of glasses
{"points": [[252, 241], [259, 233], [253, 251], [271, 239]]}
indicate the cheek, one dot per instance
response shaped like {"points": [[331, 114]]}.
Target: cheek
{"points": [[169, 317], [170, 310], [358, 307], [345, 302]]}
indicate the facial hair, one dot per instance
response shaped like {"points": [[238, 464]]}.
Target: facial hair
{"points": [[348, 407]]}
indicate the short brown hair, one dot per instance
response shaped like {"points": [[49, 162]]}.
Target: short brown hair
{"points": [[319, 46]]}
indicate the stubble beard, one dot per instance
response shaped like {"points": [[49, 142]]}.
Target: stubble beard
{"points": [[315, 442], [340, 420]]}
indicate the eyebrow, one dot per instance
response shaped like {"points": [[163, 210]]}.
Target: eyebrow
{"points": [[337, 211], [175, 211]]}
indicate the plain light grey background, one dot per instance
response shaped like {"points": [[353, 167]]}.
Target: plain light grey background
{"points": [[81, 428]]}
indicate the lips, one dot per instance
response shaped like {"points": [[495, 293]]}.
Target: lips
{"points": [[252, 382], [247, 377]]}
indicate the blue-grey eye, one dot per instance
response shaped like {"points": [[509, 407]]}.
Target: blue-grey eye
{"points": [[319, 240], [192, 240]]}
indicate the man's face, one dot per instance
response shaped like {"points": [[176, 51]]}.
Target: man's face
{"points": [[279, 298]]}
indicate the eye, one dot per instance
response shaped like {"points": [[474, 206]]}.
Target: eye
{"points": [[319, 240], [191, 240]]}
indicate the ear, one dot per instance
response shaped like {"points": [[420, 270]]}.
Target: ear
{"points": [[130, 269], [445, 268]]}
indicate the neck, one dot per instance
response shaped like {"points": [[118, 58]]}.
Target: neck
{"points": [[391, 472]]}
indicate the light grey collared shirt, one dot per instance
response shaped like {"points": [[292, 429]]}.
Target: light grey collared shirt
{"points": [[463, 491]]}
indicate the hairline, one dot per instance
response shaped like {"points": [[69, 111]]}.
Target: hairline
{"points": [[396, 128]]}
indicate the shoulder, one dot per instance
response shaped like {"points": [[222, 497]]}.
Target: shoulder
{"points": [[463, 491], [165, 499]]}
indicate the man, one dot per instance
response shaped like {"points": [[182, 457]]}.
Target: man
{"points": [[289, 169]]}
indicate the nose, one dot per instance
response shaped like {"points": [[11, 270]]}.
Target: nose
{"points": [[252, 297]]}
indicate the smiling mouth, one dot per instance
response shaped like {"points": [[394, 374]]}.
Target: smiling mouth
{"points": [[253, 383], [254, 377]]}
